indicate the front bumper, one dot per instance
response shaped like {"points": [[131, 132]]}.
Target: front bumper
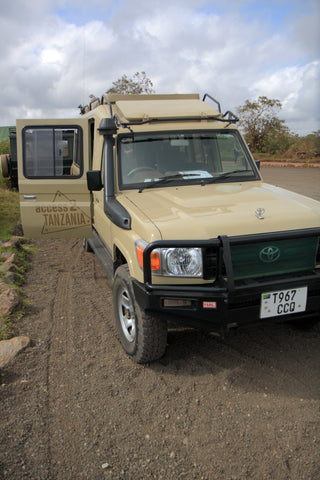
{"points": [[226, 302]]}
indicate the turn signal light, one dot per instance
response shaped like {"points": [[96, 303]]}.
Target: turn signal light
{"points": [[155, 257]]}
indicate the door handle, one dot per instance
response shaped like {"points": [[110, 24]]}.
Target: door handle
{"points": [[29, 197]]}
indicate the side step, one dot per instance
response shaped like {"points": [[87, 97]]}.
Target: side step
{"points": [[103, 254]]}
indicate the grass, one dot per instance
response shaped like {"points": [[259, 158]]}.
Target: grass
{"points": [[9, 216], [7, 329], [9, 209], [8, 322]]}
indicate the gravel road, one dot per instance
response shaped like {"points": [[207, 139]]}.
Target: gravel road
{"points": [[73, 406], [301, 180]]}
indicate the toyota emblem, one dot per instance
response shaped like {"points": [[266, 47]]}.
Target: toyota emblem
{"points": [[259, 213], [269, 254]]}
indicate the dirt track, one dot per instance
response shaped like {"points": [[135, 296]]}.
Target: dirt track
{"points": [[74, 407]]}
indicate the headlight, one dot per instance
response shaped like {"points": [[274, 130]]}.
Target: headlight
{"points": [[172, 262], [181, 262]]}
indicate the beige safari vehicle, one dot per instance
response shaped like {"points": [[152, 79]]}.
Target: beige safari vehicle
{"points": [[165, 191]]}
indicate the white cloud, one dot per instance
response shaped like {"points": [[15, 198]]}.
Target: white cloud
{"points": [[298, 89], [53, 57]]}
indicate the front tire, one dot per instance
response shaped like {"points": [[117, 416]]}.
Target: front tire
{"points": [[143, 336]]}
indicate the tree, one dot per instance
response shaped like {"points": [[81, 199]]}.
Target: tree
{"points": [[139, 84], [263, 130]]}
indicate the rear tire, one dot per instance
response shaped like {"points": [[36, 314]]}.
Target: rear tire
{"points": [[86, 246], [5, 165], [143, 336]]}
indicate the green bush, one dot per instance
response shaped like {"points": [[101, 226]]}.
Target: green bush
{"points": [[4, 147], [10, 208]]}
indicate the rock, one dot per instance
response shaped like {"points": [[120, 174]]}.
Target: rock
{"points": [[14, 242], [5, 255], [26, 248], [10, 348], [9, 265], [9, 301], [17, 229]]}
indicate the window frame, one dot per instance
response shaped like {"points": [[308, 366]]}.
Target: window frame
{"points": [[79, 159]]}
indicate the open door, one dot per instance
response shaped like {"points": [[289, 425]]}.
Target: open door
{"points": [[53, 158]]}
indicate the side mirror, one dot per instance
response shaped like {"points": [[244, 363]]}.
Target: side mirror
{"points": [[258, 164], [94, 181]]}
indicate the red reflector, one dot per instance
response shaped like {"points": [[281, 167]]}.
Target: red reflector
{"points": [[209, 304]]}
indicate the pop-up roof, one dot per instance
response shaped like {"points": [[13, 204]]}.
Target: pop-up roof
{"points": [[162, 109]]}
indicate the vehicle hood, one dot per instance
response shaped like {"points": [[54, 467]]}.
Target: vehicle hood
{"points": [[202, 212]]}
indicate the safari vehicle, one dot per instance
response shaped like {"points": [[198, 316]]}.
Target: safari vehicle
{"points": [[8, 162], [164, 190]]}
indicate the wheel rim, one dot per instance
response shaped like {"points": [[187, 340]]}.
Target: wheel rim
{"points": [[126, 316]]}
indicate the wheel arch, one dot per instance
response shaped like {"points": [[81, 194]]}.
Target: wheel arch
{"points": [[124, 254], [119, 258]]}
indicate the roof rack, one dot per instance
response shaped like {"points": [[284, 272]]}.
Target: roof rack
{"points": [[228, 117], [104, 99], [86, 108], [231, 119], [213, 99]]}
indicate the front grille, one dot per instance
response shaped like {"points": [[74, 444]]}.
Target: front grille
{"points": [[210, 263], [251, 261], [277, 257]]}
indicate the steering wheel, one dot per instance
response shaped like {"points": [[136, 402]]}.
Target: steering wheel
{"points": [[139, 169]]}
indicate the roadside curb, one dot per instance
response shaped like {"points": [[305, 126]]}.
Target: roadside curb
{"points": [[289, 164]]}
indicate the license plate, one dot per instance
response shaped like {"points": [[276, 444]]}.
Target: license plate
{"points": [[283, 302]]}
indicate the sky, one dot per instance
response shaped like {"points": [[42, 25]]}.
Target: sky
{"points": [[55, 53]]}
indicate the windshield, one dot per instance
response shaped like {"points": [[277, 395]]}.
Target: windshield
{"points": [[180, 158]]}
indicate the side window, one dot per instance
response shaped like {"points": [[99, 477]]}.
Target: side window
{"points": [[51, 152]]}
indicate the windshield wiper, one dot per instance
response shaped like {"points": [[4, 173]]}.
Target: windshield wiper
{"points": [[205, 181], [167, 178]]}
